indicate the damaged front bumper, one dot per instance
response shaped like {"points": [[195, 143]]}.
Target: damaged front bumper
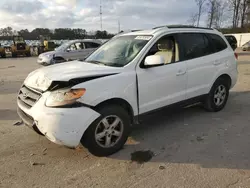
{"points": [[64, 126]]}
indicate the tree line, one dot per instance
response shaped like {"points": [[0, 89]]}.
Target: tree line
{"points": [[56, 34], [232, 14]]}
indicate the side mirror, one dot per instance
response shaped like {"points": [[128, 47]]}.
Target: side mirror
{"points": [[154, 60]]}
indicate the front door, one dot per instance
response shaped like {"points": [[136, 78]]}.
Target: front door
{"points": [[162, 85], [71, 52]]}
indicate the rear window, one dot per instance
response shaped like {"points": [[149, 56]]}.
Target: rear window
{"points": [[91, 45], [231, 38], [218, 43]]}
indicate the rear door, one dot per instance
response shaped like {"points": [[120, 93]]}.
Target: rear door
{"points": [[197, 52]]}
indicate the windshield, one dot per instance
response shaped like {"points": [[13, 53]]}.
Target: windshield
{"points": [[63, 46], [119, 51]]}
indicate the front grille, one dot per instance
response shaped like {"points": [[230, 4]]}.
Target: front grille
{"points": [[28, 97], [20, 46]]}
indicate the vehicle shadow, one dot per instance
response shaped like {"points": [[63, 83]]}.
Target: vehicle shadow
{"points": [[212, 140]]}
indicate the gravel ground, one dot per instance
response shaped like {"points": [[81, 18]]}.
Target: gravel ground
{"points": [[185, 148]]}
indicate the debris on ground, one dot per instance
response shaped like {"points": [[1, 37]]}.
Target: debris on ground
{"points": [[79, 148], [37, 164], [18, 123], [45, 149], [162, 167], [32, 154], [199, 138], [11, 66], [141, 156]]}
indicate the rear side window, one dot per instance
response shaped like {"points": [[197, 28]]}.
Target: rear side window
{"points": [[91, 45], [231, 39], [194, 45], [218, 43]]}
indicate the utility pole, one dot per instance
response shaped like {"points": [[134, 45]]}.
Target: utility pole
{"points": [[101, 13], [119, 28]]}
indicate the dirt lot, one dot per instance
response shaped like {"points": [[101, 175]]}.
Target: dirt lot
{"points": [[191, 147]]}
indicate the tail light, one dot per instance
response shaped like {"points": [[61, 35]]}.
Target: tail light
{"points": [[236, 55]]}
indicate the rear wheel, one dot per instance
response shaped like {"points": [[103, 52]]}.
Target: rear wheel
{"points": [[109, 132], [218, 95]]}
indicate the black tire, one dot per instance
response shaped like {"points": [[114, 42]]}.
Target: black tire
{"points": [[14, 54], [3, 55], [59, 60], [209, 103], [28, 54], [89, 139]]}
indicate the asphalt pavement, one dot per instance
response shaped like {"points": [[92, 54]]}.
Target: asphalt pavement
{"points": [[174, 149]]}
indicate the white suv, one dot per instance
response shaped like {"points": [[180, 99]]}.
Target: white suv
{"points": [[96, 102]]}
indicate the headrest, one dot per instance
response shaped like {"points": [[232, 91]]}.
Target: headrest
{"points": [[166, 44]]}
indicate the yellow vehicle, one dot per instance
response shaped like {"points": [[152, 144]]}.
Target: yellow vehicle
{"points": [[2, 51], [46, 45], [19, 47]]}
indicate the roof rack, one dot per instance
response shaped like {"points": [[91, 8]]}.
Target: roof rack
{"points": [[181, 26]]}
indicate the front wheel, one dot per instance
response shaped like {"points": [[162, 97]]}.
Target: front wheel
{"points": [[217, 97], [109, 132]]}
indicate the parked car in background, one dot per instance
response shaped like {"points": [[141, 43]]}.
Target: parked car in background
{"points": [[246, 46], [96, 101], [232, 41], [71, 50]]}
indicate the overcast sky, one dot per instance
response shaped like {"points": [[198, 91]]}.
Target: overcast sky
{"points": [[133, 14]]}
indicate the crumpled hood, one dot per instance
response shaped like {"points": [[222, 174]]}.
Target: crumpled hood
{"points": [[42, 78]]}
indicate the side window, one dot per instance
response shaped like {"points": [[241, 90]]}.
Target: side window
{"points": [[195, 45], [91, 45], [166, 47], [79, 46], [72, 47], [218, 43]]}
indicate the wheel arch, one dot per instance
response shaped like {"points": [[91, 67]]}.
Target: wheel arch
{"points": [[59, 57], [120, 102], [226, 78]]}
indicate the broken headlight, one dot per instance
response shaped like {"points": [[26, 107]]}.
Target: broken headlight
{"points": [[64, 97]]}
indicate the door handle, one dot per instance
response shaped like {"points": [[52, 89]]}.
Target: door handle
{"points": [[217, 62], [180, 72]]}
